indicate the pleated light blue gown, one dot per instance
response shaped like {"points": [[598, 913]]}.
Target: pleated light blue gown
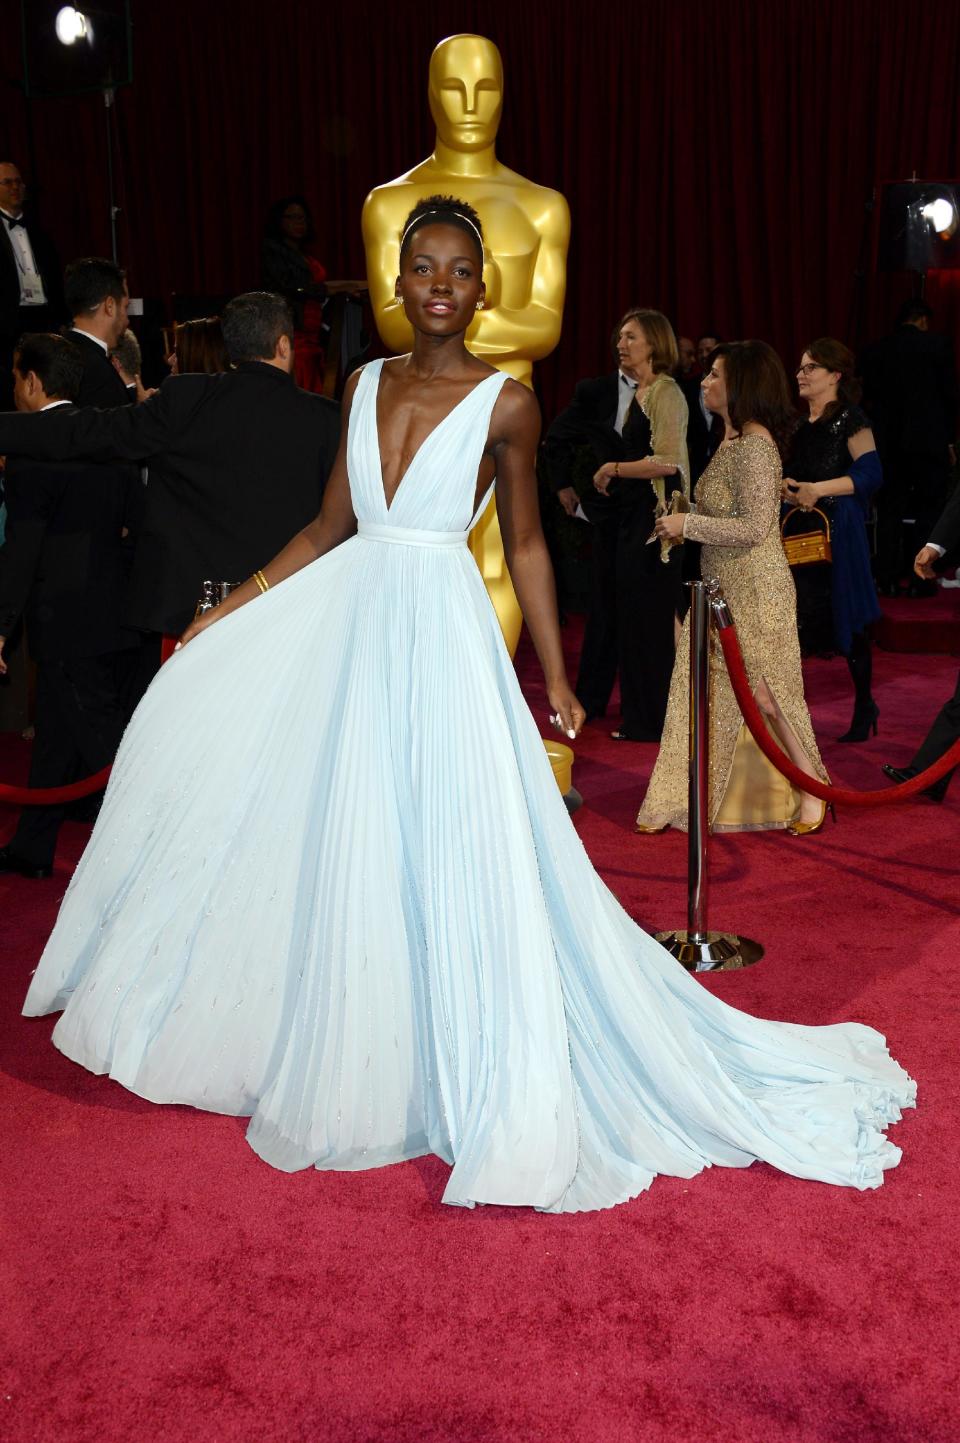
{"points": [[334, 887]]}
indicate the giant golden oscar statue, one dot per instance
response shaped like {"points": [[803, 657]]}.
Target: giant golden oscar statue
{"points": [[526, 231]]}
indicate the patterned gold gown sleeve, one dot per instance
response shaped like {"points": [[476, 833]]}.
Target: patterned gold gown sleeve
{"points": [[736, 518]]}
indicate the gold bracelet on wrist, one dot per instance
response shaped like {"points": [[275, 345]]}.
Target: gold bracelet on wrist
{"points": [[261, 581], [616, 468]]}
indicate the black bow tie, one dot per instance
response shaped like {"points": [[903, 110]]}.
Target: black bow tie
{"points": [[13, 220]]}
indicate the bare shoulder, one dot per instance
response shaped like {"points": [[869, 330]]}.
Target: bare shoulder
{"points": [[516, 411]]}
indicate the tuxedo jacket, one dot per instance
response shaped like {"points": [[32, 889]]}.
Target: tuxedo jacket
{"points": [[62, 564], [588, 422], [48, 264], [101, 384], [237, 465], [701, 439]]}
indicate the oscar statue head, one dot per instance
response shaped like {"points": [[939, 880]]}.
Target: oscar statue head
{"points": [[466, 92]]}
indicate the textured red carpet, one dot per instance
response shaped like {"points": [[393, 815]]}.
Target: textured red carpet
{"points": [[160, 1283]]}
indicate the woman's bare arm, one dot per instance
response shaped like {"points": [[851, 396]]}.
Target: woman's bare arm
{"points": [[518, 431], [335, 522]]}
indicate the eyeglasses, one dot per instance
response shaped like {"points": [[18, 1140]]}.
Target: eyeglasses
{"points": [[810, 366]]}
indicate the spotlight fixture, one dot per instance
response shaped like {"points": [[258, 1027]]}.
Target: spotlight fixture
{"points": [[72, 25], [941, 215], [919, 226]]}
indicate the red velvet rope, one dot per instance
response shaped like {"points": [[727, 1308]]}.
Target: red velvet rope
{"points": [[753, 717], [50, 796], [53, 796]]}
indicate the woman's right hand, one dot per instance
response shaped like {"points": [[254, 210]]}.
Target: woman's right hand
{"points": [[198, 624]]}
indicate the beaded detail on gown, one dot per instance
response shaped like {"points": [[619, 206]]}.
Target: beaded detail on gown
{"points": [[737, 520], [334, 887]]}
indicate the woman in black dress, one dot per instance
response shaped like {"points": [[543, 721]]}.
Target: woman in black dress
{"points": [[833, 465], [649, 592]]}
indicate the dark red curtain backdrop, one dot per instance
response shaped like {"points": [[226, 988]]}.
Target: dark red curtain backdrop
{"points": [[717, 154]]}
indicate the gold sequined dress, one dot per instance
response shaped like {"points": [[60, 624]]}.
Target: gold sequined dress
{"points": [[737, 519]]}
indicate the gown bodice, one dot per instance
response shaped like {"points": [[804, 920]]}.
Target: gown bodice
{"points": [[438, 488]]}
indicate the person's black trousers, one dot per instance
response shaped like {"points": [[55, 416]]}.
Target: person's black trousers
{"points": [[598, 653], [79, 723], [649, 598], [942, 735]]}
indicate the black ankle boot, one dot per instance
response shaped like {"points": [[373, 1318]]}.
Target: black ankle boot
{"points": [[865, 719]]}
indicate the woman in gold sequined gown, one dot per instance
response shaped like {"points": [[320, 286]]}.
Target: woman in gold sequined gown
{"points": [[736, 517]]}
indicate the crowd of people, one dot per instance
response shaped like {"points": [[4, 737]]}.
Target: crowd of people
{"points": [[779, 486], [699, 442]]}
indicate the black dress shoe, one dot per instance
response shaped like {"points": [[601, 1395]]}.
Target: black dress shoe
{"points": [[10, 862], [936, 793]]}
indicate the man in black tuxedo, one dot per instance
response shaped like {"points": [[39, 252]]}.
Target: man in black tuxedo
{"points": [[944, 538], [237, 463], [97, 298], [585, 434], [910, 392], [62, 566], [31, 298]]}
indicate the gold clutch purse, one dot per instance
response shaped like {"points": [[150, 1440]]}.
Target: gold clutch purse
{"points": [[807, 548]]}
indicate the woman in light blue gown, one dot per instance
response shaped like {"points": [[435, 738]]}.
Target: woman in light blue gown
{"points": [[334, 887]]}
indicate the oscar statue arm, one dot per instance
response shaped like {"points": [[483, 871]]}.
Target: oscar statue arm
{"points": [[381, 244], [532, 331]]}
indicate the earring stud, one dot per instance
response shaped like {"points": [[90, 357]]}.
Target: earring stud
{"points": [[479, 305]]}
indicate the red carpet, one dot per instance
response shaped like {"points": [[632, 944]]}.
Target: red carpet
{"points": [[920, 624], [160, 1283]]}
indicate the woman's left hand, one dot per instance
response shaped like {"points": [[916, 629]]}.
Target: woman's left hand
{"points": [[567, 715], [669, 527], [804, 494], [603, 477]]}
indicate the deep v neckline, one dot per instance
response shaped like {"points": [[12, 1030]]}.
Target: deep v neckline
{"points": [[388, 505]]}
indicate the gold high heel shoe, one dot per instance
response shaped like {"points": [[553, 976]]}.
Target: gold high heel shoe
{"points": [[648, 831], [807, 829]]}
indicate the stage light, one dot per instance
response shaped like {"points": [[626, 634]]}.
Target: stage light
{"points": [[941, 215], [72, 25]]}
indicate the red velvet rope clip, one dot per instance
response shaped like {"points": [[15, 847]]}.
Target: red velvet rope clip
{"points": [[753, 717]]}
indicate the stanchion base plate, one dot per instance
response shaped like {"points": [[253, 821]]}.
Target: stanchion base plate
{"points": [[712, 952]]}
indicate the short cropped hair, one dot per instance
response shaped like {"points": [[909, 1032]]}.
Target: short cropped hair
{"points": [[88, 282], [55, 361], [659, 333], [253, 324], [443, 210], [127, 352]]}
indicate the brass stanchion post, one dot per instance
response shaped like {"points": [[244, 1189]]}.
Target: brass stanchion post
{"points": [[695, 947]]}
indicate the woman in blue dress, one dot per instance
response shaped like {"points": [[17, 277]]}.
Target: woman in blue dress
{"points": [[833, 465], [334, 886]]}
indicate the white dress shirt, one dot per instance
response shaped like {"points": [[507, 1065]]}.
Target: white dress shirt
{"points": [[626, 391], [28, 273]]}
